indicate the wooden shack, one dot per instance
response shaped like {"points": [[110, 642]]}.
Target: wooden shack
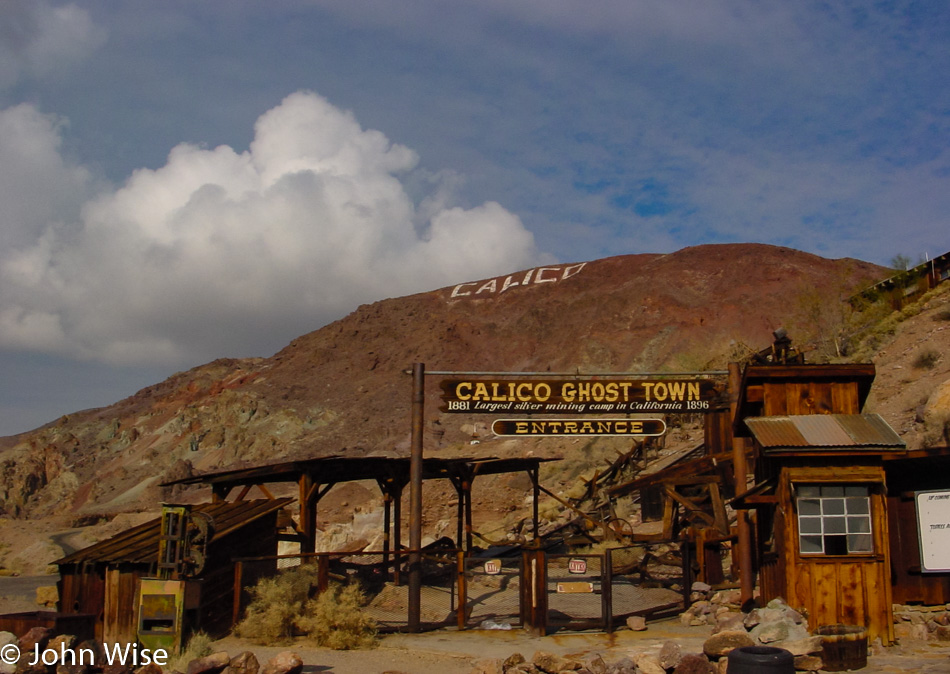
{"points": [[822, 539], [103, 579], [923, 471]]}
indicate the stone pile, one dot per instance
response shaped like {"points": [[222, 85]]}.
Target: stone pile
{"points": [[922, 623], [777, 625], [42, 638]]}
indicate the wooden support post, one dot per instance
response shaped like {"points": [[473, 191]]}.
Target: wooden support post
{"points": [[415, 498], [307, 492], [397, 535], [536, 495], [462, 590], [238, 589], [740, 470]]}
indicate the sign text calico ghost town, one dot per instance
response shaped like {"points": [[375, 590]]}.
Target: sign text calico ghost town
{"points": [[496, 286], [573, 397]]}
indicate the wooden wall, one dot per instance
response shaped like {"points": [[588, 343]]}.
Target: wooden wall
{"points": [[783, 398], [850, 589]]}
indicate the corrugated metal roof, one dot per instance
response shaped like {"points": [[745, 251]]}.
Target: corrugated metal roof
{"points": [[824, 430], [140, 544]]}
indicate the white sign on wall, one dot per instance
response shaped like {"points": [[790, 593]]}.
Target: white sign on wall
{"points": [[933, 524]]}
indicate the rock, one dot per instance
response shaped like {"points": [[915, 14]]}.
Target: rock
{"points": [[285, 662], [7, 638], [117, 669], [150, 668], [648, 664], [720, 644], [637, 623], [695, 664], [489, 666], [623, 666], [47, 595], [699, 586], [730, 622], [513, 660], [596, 664], [37, 637], [911, 632], [808, 663], [942, 633], [732, 597], [806, 646], [243, 663], [670, 655], [209, 664], [553, 664]]}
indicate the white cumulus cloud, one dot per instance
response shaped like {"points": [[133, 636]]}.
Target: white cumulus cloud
{"points": [[221, 252]]}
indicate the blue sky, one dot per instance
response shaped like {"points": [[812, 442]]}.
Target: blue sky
{"points": [[190, 180]]}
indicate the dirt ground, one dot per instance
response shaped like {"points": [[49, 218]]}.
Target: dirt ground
{"points": [[451, 651]]}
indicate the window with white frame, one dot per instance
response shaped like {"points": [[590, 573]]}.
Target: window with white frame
{"points": [[834, 519]]}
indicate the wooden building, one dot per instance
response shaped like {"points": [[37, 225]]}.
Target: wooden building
{"points": [[820, 496], [103, 579]]}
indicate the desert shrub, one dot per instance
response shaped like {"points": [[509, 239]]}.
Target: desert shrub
{"points": [[926, 360], [199, 645], [336, 619], [276, 604]]}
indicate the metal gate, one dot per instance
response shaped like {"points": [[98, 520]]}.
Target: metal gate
{"points": [[493, 592], [578, 592]]}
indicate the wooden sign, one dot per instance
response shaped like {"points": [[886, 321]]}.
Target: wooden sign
{"points": [[493, 567], [577, 565], [572, 396], [575, 588], [933, 522], [591, 427]]}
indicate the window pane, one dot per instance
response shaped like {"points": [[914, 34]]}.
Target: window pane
{"points": [[859, 543], [808, 491], [837, 545], [832, 490], [856, 490], [835, 525], [810, 525], [811, 544], [859, 525], [809, 506], [858, 505], [832, 506]]}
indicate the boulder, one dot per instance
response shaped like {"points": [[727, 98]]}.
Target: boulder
{"points": [[637, 623], [695, 664], [670, 655], [648, 664], [285, 662], [209, 664], [552, 663], [243, 663], [720, 644]]}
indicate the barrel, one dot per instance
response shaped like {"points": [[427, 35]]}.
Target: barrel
{"points": [[760, 660], [844, 647]]}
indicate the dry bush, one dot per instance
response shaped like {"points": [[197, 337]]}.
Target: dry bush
{"points": [[336, 619], [926, 360], [199, 645], [277, 603]]}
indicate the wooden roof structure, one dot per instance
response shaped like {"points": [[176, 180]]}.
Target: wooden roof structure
{"points": [[140, 544], [315, 477]]}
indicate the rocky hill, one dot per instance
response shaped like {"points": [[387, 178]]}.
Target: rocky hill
{"points": [[343, 389]]}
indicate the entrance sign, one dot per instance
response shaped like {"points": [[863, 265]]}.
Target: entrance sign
{"points": [[560, 427], [933, 523], [493, 567], [573, 396]]}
